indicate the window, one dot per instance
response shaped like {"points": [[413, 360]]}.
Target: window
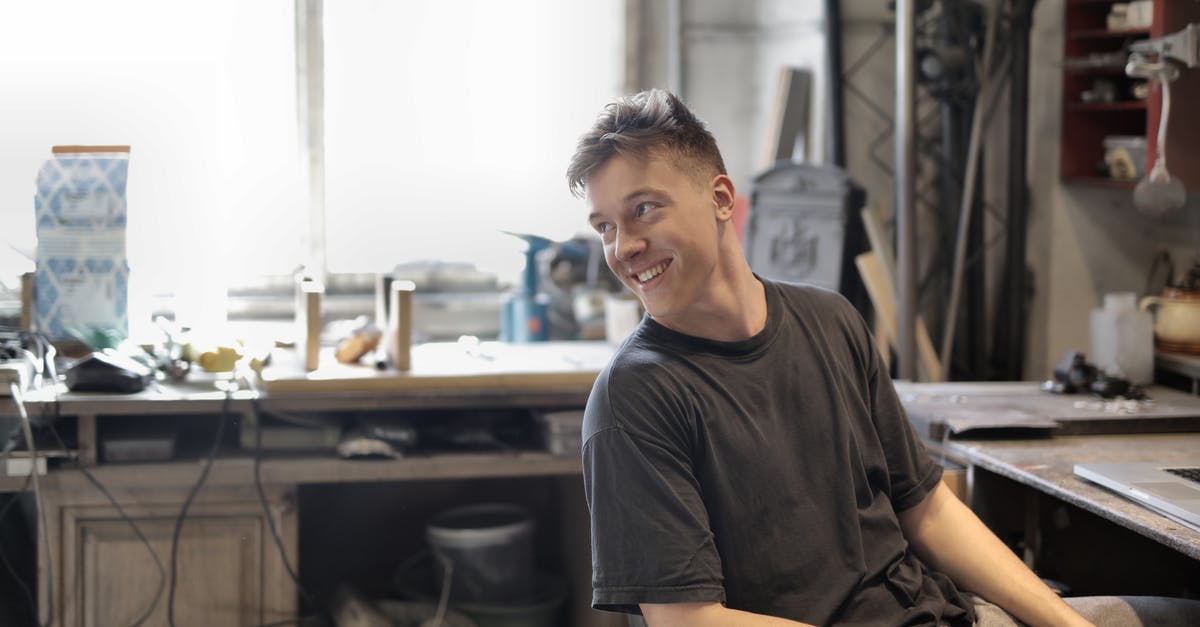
{"points": [[205, 95], [449, 122], [446, 123]]}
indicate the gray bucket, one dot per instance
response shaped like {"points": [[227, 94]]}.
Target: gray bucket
{"points": [[488, 549]]}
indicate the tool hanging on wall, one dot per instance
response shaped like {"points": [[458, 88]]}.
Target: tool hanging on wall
{"points": [[1159, 192]]}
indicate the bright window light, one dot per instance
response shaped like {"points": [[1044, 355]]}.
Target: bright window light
{"points": [[450, 122], [204, 93], [446, 124]]}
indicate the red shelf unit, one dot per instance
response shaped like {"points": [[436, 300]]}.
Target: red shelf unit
{"points": [[1086, 124]]}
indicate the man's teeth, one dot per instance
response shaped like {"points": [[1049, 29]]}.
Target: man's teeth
{"points": [[651, 273]]}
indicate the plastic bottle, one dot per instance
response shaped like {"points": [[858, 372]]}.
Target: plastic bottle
{"points": [[1123, 338]]}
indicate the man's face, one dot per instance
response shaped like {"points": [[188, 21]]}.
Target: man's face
{"points": [[660, 229]]}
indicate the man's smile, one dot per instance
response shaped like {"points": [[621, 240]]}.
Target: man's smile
{"points": [[645, 276]]}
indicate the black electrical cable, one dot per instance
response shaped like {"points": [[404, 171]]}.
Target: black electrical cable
{"points": [[212, 456], [262, 499], [4, 558], [15, 390], [47, 355], [162, 573], [51, 376]]}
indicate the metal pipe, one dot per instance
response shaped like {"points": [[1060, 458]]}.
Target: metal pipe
{"points": [[1014, 299], [987, 92], [310, 111], [905, 165], [675, 47], [833, 56]]}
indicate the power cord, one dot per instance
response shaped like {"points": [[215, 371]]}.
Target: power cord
{"points": [[48, 371], [4, 558], [262, 499], [15, 390], [48, 355], [162, 574], [212, 456]]}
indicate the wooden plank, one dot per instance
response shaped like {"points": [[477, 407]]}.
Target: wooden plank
{"points": [[85, 437], [883, 298], [126, 479], [86, 149], [879, 243], [399, 326], [27, 301], [886, 277], [308, 322], [169, 401], [883, 343], [788, 122], [455, 366]]}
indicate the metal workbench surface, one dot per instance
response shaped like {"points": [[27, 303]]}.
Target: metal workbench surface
{"points": [[1046, 464]]}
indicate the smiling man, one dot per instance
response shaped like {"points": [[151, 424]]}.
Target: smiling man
{"points": [[746, 459]]}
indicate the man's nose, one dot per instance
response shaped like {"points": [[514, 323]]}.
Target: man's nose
{"points": [[628, 244]]}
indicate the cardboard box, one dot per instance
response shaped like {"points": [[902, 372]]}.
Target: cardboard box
{"points": [[82, 273]]}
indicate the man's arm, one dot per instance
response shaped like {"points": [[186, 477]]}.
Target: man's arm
{"points": [[707, 615], [948, 537]]}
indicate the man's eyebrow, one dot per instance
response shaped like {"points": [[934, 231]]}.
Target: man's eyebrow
{"points": [[630, 197]]}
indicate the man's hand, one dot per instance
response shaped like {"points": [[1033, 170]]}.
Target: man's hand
{"points": [[707, 615], [948, 537]]}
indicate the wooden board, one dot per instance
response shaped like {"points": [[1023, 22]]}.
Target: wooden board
{"points": [[451, 365], [883, 298], [788, 136]]}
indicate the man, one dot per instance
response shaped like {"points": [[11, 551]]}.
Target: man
{"points": [[746, 459]]}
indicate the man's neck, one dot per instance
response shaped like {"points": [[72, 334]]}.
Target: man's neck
{"points": [[736, 308]]}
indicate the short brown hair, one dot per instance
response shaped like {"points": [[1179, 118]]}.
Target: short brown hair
{"points": [[640, 125]]}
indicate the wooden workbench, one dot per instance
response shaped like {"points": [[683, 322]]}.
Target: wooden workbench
{"points": [[452, 366], [227, 544], [489, 375]]}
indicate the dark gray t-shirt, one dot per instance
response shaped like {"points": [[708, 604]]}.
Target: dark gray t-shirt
{"points": [[764, 473]]}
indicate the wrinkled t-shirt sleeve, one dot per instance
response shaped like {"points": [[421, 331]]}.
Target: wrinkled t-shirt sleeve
{"points": [[651, 541], [912, 473]]}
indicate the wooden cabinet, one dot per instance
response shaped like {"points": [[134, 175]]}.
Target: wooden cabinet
{"points": [[228, 568], [1094, 58], [360, 517]]}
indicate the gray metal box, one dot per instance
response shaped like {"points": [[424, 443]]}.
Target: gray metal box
{"points": [[797, 223]]}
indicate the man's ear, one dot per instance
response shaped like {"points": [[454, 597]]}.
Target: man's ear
{"points": [[723, 197]]}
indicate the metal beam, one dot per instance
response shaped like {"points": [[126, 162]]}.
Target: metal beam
{"points": [[905, 164], [310, 112]]}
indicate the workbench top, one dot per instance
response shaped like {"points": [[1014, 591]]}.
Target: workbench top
{"points": [[1047, 464], [1016, 409], [450, 366]]}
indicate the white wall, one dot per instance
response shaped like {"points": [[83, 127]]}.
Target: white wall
{"points": [[1081, 242], [731, 54]]}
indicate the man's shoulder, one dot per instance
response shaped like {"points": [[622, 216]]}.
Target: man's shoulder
{"points": [[804, 291], [813, 299], [640, 361], [641, 378]]}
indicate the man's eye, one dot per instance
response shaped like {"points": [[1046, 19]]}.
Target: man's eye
{"points": [[602, 227], [642, 208]]}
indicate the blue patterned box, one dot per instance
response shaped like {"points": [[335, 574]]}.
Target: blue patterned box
{"points": [[82, 273]]}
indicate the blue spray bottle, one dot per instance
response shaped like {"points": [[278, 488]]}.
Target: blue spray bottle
{"points": [[524, 317]]}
